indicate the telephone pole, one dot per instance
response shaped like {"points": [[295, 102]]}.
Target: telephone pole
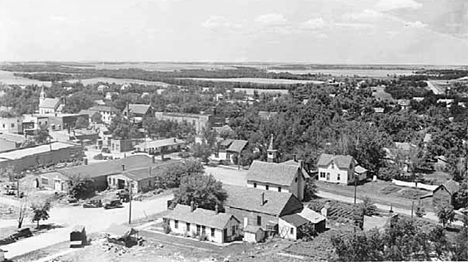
{"points": [[130, 196]]}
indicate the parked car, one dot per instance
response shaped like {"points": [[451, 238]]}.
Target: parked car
{"points": [[22, 233], [113, 204], [105, 150], [93, 203], [71, 199], [124, 195]]}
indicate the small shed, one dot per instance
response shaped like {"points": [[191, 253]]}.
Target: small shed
{"points": [[445, 194], [253, 234], [122, 235], [78, 236]]}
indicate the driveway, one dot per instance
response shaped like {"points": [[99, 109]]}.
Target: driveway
{"points": [[94, 219]]}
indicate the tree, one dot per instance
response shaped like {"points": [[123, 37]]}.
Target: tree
{"points": [[446, 215], [461, 198], [22, 211], [368, 207], [122, 128], [40, 211], [202, 151], [82, 122], [81, 187], [171, 174], [42, 135], [96, 118], [203, 190], [310, 190], [420, 210]]}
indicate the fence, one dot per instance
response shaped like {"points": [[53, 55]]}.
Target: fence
{"points": [[413, 184]]}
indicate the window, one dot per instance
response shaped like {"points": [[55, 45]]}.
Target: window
{"points": [[295, 179], [3, 125], [267, 187], [203, 230], [259, 220], [328, 176], [338, 177], [279, 189], [292, 230], [322, 174], [233, 230], [332, 165], [44, 181], [212, 232], [255, 185], [13, 125], [187, 226], [176, 223], [198, 229]]}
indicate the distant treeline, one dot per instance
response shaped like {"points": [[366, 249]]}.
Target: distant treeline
{"points": [[444, 74]]}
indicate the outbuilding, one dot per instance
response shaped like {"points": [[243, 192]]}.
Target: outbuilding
{"points": [[253, 234]]}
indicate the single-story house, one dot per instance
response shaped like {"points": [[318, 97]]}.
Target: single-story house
{"points": [[99, 172], [293, 226], [339, 169], [154, 147], [142, 179], [190, 221], [229, 147], [445, 194], [287, 177], [257, 207]]}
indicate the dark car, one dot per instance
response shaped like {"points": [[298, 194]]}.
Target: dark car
{"points": [[22, 233], [71, 200], [93, 203], [113, 204]]}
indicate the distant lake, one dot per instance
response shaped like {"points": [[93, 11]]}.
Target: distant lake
{"points": [[265, 81], [348, 72], [120, 81], [8, 78]]}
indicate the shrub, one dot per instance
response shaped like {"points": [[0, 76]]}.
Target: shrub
{"points": [[202, 237], [166, 227], [98, 157]]}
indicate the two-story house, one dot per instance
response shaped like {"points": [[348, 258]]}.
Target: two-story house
{"points": [[287, 177], [106, 112], [339, 169]]}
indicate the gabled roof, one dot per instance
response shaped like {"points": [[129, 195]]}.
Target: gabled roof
{"points": [[452, 186], [140, 109], [226, 142], [109, 167], [144, 173], [200, 216], [237, 145], [49, 102], [276, 203], [295, 220], [272, 173], [311, 215], [360, 169], [343, 162]]}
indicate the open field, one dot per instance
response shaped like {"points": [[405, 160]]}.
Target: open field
{"points": [[263, 81], [9, 79], [92, 81]]}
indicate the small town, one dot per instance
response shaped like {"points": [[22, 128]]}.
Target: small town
{"points": [[233, 161]]}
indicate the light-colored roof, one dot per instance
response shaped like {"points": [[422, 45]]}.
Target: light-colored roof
{"points": [[452, 186], [109, 167], [160, 143], [360, 169], [272, 173], [237, 146], [343, 162], [311, 215], [103, 109], [20, 153], [49, 102], [119, 231], [200, 216], [276, 203], [252, 229], [427, 138], [144, 173], [404, 146], [266, 114], [12, 137], [140, 109]]}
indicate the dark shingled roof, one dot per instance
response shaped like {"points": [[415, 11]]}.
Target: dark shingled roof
{"points": [[273, 173], [200, 216], [452, 186], [140, 109], [108, 167], [341, 161], [276, 203], [103, 109], [237, 146], [295, 220]]}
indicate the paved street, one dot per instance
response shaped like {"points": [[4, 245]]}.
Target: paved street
{"points": [[94, 219]]}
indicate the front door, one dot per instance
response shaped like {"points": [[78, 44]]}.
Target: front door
{"points": [[57, 185], [225, 235]]}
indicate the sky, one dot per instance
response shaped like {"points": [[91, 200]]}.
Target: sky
{"points": [[303, 31]]}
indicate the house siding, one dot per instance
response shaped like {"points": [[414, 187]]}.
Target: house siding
{"points": [[284, 229], [331, 174], [218, 236], [271, 187], [251, 217]]}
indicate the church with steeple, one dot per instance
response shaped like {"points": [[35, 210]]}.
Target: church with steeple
{"points": [[49, 106]]}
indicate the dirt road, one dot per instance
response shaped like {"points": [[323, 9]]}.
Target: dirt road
{"points": [[94, 219]]}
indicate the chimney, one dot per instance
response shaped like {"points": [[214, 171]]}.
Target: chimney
{"points": [[123, 167], [192, 206], [217, 209], [263, 198], [295, 158]]}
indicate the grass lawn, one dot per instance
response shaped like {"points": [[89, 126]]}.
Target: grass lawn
{"points": [[381, 192]]}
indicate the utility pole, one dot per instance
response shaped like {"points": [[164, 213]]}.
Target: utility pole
{"points": [[130, 203], [412, 207], [355, 188]]}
